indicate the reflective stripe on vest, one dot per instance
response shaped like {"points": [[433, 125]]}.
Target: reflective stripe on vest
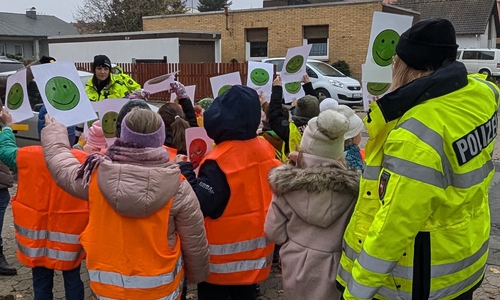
{"points": [[50, 253], [366, 292], [135, 282], [49, 235], [239, 266], [238, 247], [431, 176], [173, 296], [381, 266], [371, 173]]}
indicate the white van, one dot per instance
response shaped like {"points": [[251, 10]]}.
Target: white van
{"points": [[484, 61]]}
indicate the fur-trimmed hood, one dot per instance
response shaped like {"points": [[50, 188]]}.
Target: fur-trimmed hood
{"points": [[319, 194]]}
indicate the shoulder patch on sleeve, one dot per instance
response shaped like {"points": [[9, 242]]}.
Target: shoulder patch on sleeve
{"points": [[384, 180]]}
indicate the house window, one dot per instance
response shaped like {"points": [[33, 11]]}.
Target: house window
{"points": [[318, 37], [256, 45], [3, 50], [18, 50]]}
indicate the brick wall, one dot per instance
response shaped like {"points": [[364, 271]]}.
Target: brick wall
{"points": [[349, 28]]}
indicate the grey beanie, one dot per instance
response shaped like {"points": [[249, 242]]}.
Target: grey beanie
{"points": [[307, 107]]}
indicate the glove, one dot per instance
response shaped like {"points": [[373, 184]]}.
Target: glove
{"points": [[139, 95], [46, 59], [179, 89]]}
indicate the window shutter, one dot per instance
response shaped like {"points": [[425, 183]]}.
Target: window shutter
{"points": [[316, 32], [257, 35]]}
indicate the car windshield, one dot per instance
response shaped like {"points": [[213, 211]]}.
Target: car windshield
{"points": [[278, 63], [326, 70]]}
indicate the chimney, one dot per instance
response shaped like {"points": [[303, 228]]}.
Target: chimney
{"points": [[31, 13]]}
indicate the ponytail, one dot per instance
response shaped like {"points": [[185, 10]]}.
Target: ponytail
{"points": [[179, 127]]}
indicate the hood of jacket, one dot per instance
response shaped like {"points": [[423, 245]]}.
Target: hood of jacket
{"points": [[138, 191], [441, 82], [318, 190], [235, 115]]}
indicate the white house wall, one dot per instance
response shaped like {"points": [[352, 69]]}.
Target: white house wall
{"points": [[122, 51], [478, 41]]}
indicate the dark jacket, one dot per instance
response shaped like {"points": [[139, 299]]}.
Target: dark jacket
{"points": [[41, 125], [188, 109], [233, 116], [6, 180], [278, 121]]}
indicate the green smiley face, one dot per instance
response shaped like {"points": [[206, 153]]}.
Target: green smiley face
{"points": [[108, 124], [384, 47], [15, 97], [259, 77], [377, 88], [294, 65], [293, 87], [62, 93], [223, 89]]}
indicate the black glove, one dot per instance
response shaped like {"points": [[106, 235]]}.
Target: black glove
{"points": [[46, 59]]}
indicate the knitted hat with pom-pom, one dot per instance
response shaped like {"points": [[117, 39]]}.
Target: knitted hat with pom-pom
{"points": [[324, 135]]}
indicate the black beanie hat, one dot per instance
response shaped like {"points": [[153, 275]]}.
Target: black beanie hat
{"points": [[428, 44], [101, 60]]}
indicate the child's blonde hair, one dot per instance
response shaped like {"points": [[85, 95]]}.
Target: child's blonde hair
{"points": [[143, 121]]}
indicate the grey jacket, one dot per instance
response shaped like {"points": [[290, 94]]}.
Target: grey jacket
{"points": [[311, 207]]}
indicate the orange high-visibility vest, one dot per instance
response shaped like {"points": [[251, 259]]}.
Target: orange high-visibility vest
{"points": [[129, 258], [47, 219], [239, 250], [172, 152]]}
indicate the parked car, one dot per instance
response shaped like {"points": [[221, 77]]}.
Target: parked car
{"points": [[484, 61], [9, 64], [328, 81], [30, 137]]}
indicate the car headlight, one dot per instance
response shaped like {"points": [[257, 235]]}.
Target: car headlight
{"points": [[336, 83]]}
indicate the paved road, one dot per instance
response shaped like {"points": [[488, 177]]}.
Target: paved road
{"points": [[22, 288]]}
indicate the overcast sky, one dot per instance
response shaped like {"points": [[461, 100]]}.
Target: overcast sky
{"points": [[63, 9]]}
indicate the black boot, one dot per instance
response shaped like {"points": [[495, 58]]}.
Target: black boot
{"points": [[5, 268]]}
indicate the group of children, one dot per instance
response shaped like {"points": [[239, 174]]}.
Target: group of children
{"points": [[278, 176]]}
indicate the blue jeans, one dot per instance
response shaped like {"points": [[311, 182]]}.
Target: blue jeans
{"points": [[43, 283], [4, 202]]}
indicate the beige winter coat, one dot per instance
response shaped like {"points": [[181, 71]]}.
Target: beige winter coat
{"points": [[311, 206], [137, 191]]}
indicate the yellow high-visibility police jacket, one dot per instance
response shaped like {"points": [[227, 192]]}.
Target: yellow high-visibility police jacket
{"points": [[116, 89], [421, 225]]}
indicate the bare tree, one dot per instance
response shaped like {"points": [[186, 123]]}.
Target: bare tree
{"points": [[102, 16]]}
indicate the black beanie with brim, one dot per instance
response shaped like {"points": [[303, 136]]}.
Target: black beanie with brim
{"points": [[428, 44]]}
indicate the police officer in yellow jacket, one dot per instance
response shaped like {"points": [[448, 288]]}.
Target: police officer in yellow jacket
{"points": [[421, 226], [104, 85]]}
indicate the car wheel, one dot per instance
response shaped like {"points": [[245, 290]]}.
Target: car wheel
{"points": [[322, 93], [485, 72]]}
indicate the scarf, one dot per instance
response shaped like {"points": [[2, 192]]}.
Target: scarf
{"points": [[122, 152], [353, 157]]}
